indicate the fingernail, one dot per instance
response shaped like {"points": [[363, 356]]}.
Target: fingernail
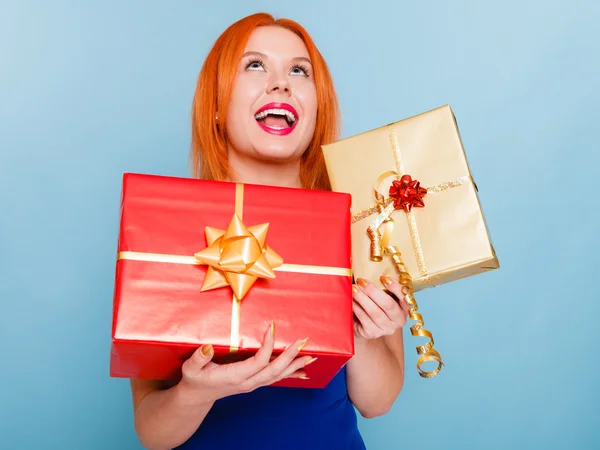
{"points": [[354, 289], [303, 377], [206, 349], [272, 328], [310, 361], [302, 344], [385, 280], [362, 283]]}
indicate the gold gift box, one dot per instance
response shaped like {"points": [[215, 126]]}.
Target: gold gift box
{"points": [[444, 240]]}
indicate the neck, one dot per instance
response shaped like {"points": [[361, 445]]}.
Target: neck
{"points": [[253, 171]]}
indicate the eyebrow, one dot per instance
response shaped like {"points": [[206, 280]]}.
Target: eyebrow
{"points": [[262, 55]]}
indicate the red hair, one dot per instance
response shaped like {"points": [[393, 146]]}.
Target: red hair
{"points": [[213, 91]]}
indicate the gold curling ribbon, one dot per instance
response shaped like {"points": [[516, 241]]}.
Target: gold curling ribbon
{"points": [[426, 352], [380, 232], [236, 257]]}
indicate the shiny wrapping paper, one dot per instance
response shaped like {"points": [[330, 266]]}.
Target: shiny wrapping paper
{"points": [[164, 309], [441, 234]]}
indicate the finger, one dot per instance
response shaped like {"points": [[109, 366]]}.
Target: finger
{"points": [[295, 369], [405, 306], [372, 308], [298, 374], [359, 331], [277, 367], [381, 299], [398, 290], [365, 326], [193, 366], [251, 366]]}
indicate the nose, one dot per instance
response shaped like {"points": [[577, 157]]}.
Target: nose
{"points": [[278, 82]]}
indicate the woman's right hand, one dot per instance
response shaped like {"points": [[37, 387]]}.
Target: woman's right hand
{"points": [[213, 381]]}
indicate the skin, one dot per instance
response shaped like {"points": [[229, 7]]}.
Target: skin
{"points": [[275, 68], [167, 415]]}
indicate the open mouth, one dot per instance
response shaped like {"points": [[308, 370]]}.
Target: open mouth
{"points": [[277, 118]]}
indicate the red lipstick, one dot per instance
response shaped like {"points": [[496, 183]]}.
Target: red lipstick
{"points": [[282, 110]]}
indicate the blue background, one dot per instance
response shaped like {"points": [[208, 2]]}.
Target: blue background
{"points": [[91, 89]]}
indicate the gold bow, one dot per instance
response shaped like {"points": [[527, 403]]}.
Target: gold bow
{"points": [[237, 257]]}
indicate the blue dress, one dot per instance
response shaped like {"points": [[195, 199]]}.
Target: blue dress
{"points": [[282, 418]]}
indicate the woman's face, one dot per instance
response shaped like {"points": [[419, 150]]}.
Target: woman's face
{"points": [[273, 107]]}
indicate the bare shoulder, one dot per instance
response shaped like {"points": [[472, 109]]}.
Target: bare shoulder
{"points": [[141, 388]]}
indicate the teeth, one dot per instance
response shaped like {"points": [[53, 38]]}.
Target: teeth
{"points": [[276, 112]]}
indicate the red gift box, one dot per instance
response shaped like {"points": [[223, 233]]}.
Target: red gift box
{"points": [[168, 302]]}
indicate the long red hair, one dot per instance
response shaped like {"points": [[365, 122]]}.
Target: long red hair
{"points": [[213, 91]]}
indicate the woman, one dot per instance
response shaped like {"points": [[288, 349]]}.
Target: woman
{"points": [[259, 62]]}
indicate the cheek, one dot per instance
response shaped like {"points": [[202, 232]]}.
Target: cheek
{"points": [[237, 104], [243, 96], [308, 99]]}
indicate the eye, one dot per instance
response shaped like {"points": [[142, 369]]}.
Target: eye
{"points": [[255, 64], [299, 69]]}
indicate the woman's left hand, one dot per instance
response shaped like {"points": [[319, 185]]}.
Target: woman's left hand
{"points": [[376, 312]]}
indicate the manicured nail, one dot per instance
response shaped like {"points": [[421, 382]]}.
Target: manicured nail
{"points": [[272, 328], [354, 289], [362, 282], [385, 280], [303, 377], [302, 344], [206, 349], [310, 361]]}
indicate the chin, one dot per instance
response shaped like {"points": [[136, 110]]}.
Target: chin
{"points": [[270, 145], [278, 154], [279, 148]]}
